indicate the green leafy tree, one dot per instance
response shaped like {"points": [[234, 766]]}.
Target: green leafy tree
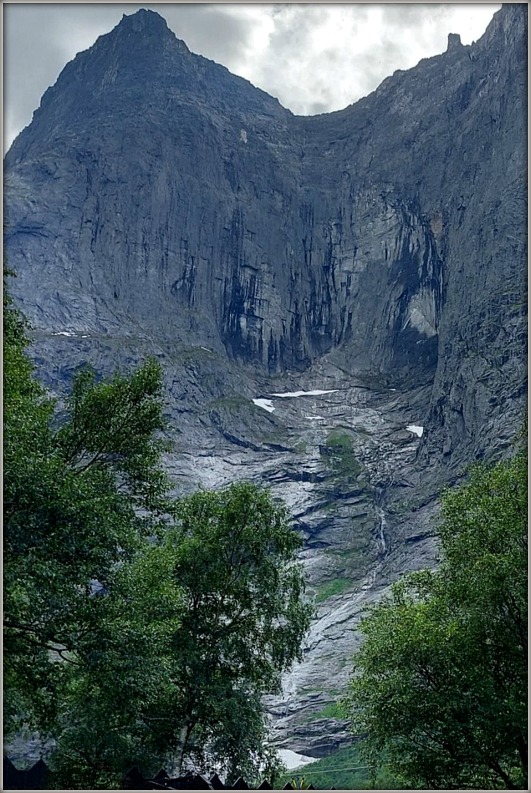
{"points": [[200, 607], [78, 501], [440, 683], [202, 625]]}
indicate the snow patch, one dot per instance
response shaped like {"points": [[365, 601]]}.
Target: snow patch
{"points": [[416, 429], [264, 403], [63, 333], [314, 417], [294, 760], [317, 392]]}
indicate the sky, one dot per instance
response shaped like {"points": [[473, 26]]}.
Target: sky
{"points": [[314, 58]]}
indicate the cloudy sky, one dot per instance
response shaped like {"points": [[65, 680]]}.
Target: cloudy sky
{"points": [[313, 58]]}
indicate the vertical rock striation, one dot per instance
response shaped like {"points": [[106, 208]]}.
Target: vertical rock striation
{"points": [[157, 203]]}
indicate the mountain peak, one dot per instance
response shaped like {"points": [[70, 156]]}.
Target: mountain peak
{"points": [[454, 41], [150, 27], [144, 20]]}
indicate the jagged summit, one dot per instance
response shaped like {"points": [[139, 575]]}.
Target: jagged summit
{"points": [[454, 41], [141, 68], [144, 19], [149, 26]]}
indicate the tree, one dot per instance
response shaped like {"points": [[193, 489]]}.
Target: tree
{"points": [[202, 625], [77, 502], [138, 629], [440, 683], [71, 511]]}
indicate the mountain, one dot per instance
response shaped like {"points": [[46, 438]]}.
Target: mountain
{"points": [[373, 258]]}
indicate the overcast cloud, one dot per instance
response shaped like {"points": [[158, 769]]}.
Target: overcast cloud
{"points": [[313, 58]]}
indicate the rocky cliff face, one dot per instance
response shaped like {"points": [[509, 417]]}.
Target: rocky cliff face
{"points": [[207, 202], [158, 204]]}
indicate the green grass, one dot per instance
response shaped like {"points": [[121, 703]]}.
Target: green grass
{"points": [[190, 354], [330, 711], [338, 452], [330, 588], [343, 770]]}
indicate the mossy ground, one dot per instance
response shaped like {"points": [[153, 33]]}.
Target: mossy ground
{"points": [[330, 588], [346, 769], [339, 453]]}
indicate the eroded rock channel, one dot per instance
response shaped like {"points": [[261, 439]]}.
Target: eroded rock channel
{"points": [[338, 301]]}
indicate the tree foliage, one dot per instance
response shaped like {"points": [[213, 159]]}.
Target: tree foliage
{"points": [[138, 629], [200, 627], [71, 510], [440, 683]]}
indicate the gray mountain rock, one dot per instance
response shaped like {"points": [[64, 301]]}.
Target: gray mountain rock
{"points": [[376, 256]]}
